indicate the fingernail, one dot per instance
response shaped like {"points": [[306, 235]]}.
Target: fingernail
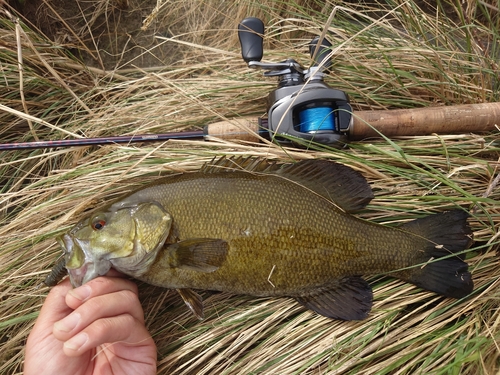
{"points": [[76, 342], [69, 323], [81, 293]]}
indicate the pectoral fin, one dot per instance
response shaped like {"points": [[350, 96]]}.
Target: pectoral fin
{"points": [[350, 299], [194, 301], [198, 254]]}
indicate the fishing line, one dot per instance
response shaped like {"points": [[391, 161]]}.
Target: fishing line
{"points": [[316, 118]]}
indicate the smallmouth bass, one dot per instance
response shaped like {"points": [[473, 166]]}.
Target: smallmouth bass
{"points": [[247, 226]]}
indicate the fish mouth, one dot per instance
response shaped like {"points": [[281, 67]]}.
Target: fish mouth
{"points": [[79, 276], [66, 243], [87, 268]]}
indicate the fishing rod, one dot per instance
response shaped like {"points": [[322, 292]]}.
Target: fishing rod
{"points": [[465, 118], [304, 108]]}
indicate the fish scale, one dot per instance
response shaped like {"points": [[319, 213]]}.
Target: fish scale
{"points": [[279, 232], [257, 202]]}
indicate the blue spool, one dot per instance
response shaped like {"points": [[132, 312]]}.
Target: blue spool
{"points": [[316, 119]]}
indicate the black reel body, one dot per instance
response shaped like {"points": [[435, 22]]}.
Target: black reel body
{"points": [[303, 105]]}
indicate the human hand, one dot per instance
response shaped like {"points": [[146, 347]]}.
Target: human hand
{"points": [[95, 329]]}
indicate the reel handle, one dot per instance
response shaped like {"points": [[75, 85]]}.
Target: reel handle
{"points": [[250, 33]]}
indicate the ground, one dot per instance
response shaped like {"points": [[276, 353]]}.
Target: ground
{"points": [[112, 27], [123, 33]]}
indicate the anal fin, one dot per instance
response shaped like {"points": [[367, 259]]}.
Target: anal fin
{"points": [[349, 299]]}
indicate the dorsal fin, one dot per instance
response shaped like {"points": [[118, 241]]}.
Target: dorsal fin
{"points": [[336, 182]]}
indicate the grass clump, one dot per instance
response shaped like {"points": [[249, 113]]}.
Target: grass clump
{"points": [[386, 54]]}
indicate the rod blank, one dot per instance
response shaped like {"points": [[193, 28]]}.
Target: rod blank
{"points": [[101, 140]]}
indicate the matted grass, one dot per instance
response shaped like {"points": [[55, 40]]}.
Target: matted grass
{"points": [[386, 55]]}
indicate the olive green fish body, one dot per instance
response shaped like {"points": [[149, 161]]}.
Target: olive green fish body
{"points": [[243, 226], [282, 238]]}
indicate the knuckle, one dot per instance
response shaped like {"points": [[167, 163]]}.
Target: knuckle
{"points": [[94, 305], [99, 285], [134, 305], [129, 296], [128, 320], [132, 287], [104, 325], [105, 284], [120, 326]]}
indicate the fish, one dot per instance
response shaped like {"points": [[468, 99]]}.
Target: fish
{"points": [[254, 227]]}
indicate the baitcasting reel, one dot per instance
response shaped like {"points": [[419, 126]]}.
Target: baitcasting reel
{"points": [[302, 106]]}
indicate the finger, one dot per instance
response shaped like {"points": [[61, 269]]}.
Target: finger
{"points": [[114, 273], [98, 287], [105, 306], [53, 309], [117, 330]]}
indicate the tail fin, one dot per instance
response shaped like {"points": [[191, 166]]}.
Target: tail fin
{"points": [[447, 233]]}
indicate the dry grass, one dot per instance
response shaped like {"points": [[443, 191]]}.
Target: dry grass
{"points": [[385, 56]]}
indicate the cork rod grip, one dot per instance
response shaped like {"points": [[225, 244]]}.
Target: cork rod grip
{"points": [[465, 118], [241, 129]]}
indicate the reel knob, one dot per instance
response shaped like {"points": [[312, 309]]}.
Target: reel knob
{"points": [[319, 53], [250, 33]]}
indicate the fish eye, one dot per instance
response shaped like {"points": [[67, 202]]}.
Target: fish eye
{"points": [[98, 224]]}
